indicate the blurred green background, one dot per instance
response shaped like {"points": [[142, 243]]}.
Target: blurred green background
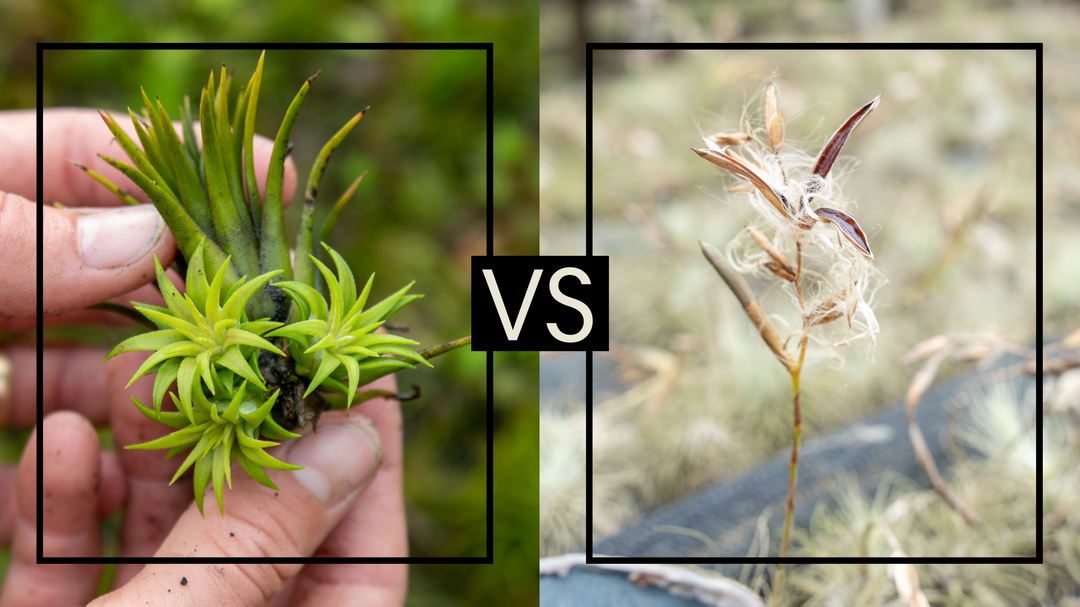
{"points": [[419, 214]]}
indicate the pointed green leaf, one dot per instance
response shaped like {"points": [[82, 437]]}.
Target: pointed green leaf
{"points": [[232, 412], [239, 299], [237, 336], [331, 218], [226, 450], [329, 363], [184, 348], [234, 360], [229, 159], [254, 471], [382, 338], [191, 189], [254, 443], [274, 254], [310, 297], [266, 460], [197, 284], [186, 382], [137, 156], [147, 341], [257, 416], [337, 310], [213, 295], [404, 301], [381, 310], [356, 308], [400, 350], [354, 376], [260, 327], [166, 375], [232, 236], [185, 436], [189, 330], [303, 269], [314, 328], [154, 153], [203, 447], [207, 372], [328, 341], [173, 419], [218, 474], [202, 478], [112, 187], [271, 429], [254, 201], [345, 279], [190, 148]]}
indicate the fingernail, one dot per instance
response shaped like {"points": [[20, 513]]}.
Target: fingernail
{"points": [[339, 461], [117, 238]]}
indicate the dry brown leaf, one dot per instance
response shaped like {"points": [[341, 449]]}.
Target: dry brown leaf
{"points": [[777, 255], [779, 270], [923, 379], [826, 311], [925, 348], [848, 227], [739, 169], [774, 119], [726, 139]]}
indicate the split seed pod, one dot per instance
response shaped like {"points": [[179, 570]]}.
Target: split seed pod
{"points": [[802, 215]]}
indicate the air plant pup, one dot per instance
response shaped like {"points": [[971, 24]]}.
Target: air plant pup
{"points": [[257, 344], [826, 273]]}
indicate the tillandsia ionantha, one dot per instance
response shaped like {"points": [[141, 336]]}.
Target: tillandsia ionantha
{"points": [[829, 284], [257, 345]]}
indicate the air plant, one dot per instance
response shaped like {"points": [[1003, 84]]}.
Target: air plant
{"points": [[252, 345], [826, 282]]}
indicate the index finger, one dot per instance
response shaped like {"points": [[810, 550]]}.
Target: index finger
{"points": [[79, 134]]}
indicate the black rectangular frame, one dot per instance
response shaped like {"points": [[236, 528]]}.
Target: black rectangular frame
{"points": [[489, 49], [590, 558]]}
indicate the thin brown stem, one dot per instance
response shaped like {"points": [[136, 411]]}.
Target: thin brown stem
{"points": [[798, 279], [793, 466]]}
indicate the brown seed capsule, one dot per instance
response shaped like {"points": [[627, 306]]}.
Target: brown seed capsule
{"points": [[774, 119], [827, 310], [725, 139], [784, 267], [779, 270]]}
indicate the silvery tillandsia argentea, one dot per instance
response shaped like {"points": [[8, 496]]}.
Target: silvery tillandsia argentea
{"points": [[258, 344]]}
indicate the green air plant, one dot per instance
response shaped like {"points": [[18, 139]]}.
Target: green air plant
{"points": [[827, 281], [253, 346]]}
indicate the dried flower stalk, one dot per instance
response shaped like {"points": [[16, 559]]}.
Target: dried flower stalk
{"points": [[840, 285]]}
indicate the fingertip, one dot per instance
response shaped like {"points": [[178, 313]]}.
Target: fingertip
{"points": [[71, 473], [91, 255], [8, 511], [113, 485], [262, 150]]}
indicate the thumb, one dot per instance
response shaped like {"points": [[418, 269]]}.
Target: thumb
{"points": [[340, 462], [90, 255]]}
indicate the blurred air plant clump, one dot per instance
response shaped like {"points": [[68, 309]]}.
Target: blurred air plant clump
{"points": [[258, 344], [825, 270]]}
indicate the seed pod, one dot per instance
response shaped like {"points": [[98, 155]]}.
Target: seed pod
{"points": [[781, 265], [726, 139], [774, 119]]}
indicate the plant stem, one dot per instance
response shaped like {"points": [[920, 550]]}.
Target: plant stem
{"points": [[793, 466]]}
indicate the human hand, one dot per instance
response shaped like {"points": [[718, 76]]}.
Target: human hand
{"points": [[323, 510]]}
